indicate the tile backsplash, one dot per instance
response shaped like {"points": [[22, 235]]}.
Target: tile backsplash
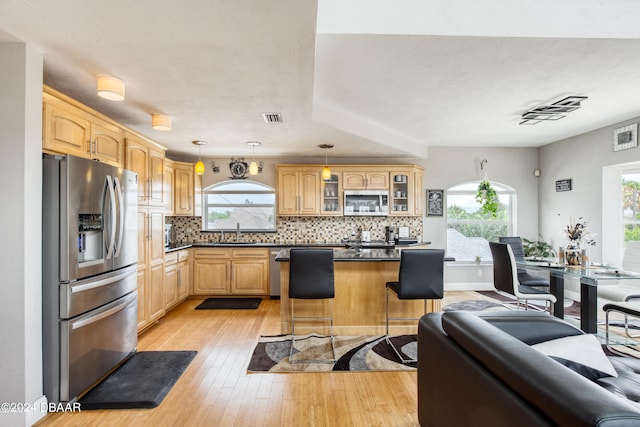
{"points": [[298, 229]]}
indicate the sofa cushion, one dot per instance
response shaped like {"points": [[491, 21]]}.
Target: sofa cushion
{"points": [[627, 383], [581, 353]]}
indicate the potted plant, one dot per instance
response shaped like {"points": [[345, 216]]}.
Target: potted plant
{"points": [[537, 248], [488, 198]]}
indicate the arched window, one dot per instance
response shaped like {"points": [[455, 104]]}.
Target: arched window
{"points": [[469, 231], [250, 204]]}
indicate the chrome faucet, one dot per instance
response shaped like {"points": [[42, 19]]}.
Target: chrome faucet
{"points": [[222, 235], [238, 232]]}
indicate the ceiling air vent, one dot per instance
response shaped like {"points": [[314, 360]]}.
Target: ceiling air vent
{"points": [[272, 117]]}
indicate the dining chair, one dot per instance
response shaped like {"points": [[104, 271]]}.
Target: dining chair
{"points": [[627, 309], [421, 276], [524, 277], [628, 289], [505, 278], [311, 276]]}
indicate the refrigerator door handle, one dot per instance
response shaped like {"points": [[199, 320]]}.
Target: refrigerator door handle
{"points": [[102, 282], [112, 218], [120, 216], [85, 321]]}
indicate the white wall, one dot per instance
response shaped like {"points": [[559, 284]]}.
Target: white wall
{"points": [[582, 159], [20, 222]]}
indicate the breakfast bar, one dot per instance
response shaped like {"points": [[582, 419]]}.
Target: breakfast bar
{"points": [[359, 304]]}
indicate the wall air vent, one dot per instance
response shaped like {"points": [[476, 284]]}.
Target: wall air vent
{"points": [[272, 117], [553, 111]]}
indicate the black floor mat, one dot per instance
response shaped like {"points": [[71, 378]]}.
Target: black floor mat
{"points": [[230, 304], [143, 381]]}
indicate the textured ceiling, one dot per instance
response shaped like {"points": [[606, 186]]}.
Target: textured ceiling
{"points": [[371, 78]]}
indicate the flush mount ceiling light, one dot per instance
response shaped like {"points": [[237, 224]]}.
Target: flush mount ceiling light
{"points": [[552, 111], [160, 122], [199, 168], [326, 172], [111, 88], [254, 169]]}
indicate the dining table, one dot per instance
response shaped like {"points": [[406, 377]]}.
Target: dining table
{"points": [[590, 276]]}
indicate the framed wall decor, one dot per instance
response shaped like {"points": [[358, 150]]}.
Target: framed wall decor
{"points": [[625, 137], [435, 202]]}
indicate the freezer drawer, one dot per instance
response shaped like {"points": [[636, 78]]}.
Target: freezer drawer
{"points": [[96, 342], [84, 295]]}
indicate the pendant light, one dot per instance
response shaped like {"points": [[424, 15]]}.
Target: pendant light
{"points": [[326, 172], [199, 168], [253, 166], [111, 88]]}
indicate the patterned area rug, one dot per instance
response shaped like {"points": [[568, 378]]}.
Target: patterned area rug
{"points": [[353, 353]]}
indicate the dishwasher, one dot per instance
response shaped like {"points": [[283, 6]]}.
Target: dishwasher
{"points": [[274, 273]]}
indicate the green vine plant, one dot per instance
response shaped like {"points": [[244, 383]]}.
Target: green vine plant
{"points": [[488, 198]]}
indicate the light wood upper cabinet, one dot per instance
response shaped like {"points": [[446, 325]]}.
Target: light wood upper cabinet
{"points": [[299, 191], [107, 144], [418, 191], [362, 179], [65, 130], [68, 129], [168, 187], [147, 161], [183, 189]]}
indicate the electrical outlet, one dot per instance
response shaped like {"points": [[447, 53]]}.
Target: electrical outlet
{"points": [[479, 273]]}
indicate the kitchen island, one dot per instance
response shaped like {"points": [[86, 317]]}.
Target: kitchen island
{"points": [[360, 293]]}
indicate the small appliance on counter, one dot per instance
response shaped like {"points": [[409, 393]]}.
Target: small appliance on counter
{"points": [[389, 235], [404, 238]]}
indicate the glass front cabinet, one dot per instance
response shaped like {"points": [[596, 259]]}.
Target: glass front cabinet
{"points": [[331, 195], [401, 193]]}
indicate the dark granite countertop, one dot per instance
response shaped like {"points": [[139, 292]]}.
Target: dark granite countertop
{"points": [[346, 255], [284, 244]]}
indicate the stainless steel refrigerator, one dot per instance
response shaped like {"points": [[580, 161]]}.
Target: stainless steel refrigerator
{"points": [[89, 285]]}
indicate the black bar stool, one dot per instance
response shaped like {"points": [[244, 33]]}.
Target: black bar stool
{"points": [[421, 276], [311, 277]]}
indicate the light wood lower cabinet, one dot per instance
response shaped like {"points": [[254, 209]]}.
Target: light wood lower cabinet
{"points": [[177, 274], [250, 272], [230, 271], [184, 275]]}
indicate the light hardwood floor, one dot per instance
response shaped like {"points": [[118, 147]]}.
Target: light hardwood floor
{"points": [[216, 389]]}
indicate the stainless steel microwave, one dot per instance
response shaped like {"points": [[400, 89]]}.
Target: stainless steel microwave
{"points": [[366, 203]]}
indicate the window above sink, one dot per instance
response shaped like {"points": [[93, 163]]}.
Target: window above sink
{"points": [[248, 203]]}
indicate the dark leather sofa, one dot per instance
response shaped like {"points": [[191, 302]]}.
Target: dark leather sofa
{"points": [[478, 370]]}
